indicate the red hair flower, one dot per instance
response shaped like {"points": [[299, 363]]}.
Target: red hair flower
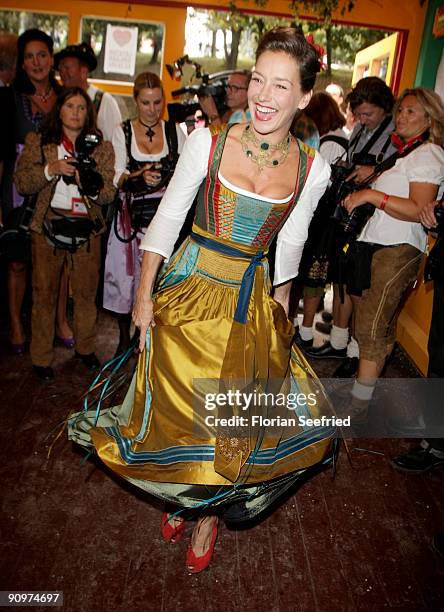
{"points": [[320, 50]]}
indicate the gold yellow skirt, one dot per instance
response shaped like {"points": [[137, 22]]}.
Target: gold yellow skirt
{"points": [[164, 431]]}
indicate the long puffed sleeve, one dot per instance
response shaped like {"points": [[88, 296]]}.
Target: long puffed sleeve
{"points": [[191, 170], [292, 237], [118, 140]]}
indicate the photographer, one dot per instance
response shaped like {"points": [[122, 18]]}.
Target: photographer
{"points": [[147, 150], [389, 249], [63, 226], [370, 143], [236, 96]]}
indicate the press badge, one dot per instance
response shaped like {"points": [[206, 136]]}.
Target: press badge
{"points": [[78, 207]]}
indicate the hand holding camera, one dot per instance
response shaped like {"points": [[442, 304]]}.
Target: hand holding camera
{"points": [[81, 170], [63, 167], [432, 216], [361, 173], [355, 199], [151, 173]]}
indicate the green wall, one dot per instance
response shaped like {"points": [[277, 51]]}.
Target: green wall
{"points": [[431, 50]]}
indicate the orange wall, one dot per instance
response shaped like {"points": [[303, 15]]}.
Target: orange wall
{"points": [[381, 14]]}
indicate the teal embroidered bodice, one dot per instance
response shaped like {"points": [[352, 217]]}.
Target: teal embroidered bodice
{"points": [[238, 217]]}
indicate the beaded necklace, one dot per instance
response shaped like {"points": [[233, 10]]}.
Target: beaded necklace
{"points": [[263, 157]]}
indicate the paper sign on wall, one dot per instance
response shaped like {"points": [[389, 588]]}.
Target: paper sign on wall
{"points": [[120, 50]]}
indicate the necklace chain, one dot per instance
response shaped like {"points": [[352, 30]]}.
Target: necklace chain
{"points": [[150, 132], [264, 157], [44, 96]]}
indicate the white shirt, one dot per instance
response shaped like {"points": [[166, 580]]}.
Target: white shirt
{"points": [[109, 113], [424, 165], [66, 197], [332, 151], [192, 169], [121, 157], [365, 137]]}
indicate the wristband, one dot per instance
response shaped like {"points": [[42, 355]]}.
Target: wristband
{"points": [[384, 201]]}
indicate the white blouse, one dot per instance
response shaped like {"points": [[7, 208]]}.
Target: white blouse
{"points": [[192, 169], [121, 157], [332, 151], [424, 165]]}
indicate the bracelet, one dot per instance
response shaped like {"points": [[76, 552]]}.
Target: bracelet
{"points": [[384, 201]]}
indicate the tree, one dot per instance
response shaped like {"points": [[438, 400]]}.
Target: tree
{"points": [[341, 43], [238, 24], [233, 22]]}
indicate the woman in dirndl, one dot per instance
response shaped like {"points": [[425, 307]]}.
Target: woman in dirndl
{"points": [[147, 149], [211, 332]]}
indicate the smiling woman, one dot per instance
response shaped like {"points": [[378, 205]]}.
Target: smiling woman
{"points": [[147, 149], [385, 260], [35, 91], [210, 324]]}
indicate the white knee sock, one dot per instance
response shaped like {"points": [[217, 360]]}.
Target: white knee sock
{"points": [[339, 337], [353, 348], [362, 392], [306, 333]]}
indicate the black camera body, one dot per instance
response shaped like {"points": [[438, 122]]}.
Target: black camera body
{"points": [[211, 85], [364, 159], [137, 186], [434, 268], [439, 214], [91, 181], [351, 224], [179, 111]]}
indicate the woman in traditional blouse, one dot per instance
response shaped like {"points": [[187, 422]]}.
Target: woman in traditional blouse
{"points": [[143, 146], [390, 248], [212, 330]]}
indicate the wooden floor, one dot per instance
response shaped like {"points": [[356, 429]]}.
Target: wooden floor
{"points": [[360, 541]]}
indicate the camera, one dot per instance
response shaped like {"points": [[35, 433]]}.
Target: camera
{"points": [[91, 182], [439, 214], [210, 85], [364, 159], [351, 224], [434, 268], [137, 186]]}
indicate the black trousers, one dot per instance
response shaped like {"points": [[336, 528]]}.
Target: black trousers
{"points": [[436, 346]]}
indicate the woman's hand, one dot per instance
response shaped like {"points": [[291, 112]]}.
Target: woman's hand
{"points": [[143, 316], [427, 215], [151, 175], [282, 296], [65, 167], [360, 173], [355, 199]]}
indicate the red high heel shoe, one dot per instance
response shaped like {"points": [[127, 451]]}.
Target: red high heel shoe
{"points": [[198, 564], [170, 533]]}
